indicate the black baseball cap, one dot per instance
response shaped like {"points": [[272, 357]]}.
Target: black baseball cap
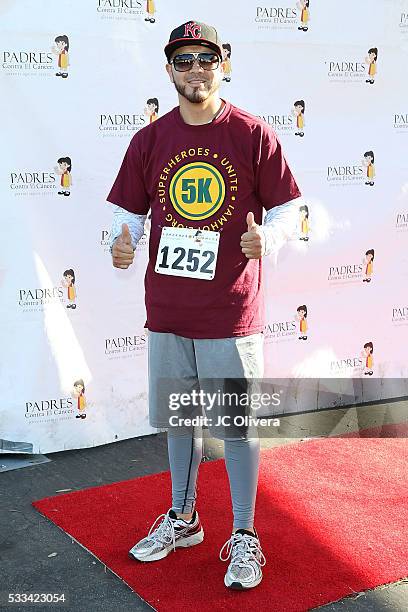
{"points": [[193, 33]]}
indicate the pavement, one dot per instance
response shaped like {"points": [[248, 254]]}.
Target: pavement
{"points": [[27, 538]]}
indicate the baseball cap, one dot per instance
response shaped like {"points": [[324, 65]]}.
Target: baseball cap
{"points": [[193, 33]]}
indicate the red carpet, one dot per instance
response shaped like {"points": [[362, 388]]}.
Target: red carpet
{"points": [[332, 515]]}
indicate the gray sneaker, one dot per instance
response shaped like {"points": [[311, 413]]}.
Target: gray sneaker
{"points": [[247, 559], [170, 534]]}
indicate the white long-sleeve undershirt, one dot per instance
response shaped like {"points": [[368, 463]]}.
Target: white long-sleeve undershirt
{"points": [[134, 222], [280, 223]]}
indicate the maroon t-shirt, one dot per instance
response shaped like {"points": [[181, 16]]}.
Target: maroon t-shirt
{"points": [[209, 177]]}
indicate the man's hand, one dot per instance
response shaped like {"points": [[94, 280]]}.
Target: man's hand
{"points": [[122, 250], [253, 241]]}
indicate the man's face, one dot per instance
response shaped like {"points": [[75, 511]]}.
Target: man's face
{"points": [[196, 85]]}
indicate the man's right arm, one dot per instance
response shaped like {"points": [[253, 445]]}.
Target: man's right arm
{"points": [[128, 191], [134, 222]]}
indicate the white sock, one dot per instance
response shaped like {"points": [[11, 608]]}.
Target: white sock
{"points": [[185, 520]]}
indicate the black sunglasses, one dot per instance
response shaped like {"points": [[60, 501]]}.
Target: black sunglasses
{"points": [[185, 61]]}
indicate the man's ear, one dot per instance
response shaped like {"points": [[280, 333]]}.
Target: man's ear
{"points": [[170, 72]]}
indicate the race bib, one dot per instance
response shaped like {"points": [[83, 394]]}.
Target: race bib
{"points": [[187, 252]]}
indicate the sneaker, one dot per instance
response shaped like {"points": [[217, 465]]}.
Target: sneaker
{"points": [[171, 533], [247, 558]]}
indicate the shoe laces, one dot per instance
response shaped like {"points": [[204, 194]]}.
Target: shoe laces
{"points": [[243, 548], [164, 533]]}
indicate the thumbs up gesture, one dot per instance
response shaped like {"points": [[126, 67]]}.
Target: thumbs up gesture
{"points": [[122, 250], [253, 240]]}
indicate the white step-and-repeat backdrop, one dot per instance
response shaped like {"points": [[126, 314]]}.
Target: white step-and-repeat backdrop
{"points": [[78, 79]]}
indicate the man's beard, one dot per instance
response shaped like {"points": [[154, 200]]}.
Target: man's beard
{"points": [[197, 95]]}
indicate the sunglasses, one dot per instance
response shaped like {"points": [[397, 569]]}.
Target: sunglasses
{"points": [[185, 61]]}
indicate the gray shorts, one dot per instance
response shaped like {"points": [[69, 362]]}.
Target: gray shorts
{"points": [[221, 368]]}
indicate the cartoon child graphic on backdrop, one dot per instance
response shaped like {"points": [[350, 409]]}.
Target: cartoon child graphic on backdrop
{"points": [[226, 56], [61, 49], [299, 112], [368, 162], [371, 60], [304, 222], [78, 393], [68, 281], [303, 6], [64, 171], [148, 224], [150, 11], [367, 354], [151, 109], [368, 260], [301, 317]]}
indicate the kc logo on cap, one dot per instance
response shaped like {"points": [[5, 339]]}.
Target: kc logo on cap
{"points": [[192, 29], [193, 32]]}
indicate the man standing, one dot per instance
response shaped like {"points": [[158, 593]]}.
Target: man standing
{"points": [[205, 170]]}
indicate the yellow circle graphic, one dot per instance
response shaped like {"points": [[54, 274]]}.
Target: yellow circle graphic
{"points": [[197, 190]]}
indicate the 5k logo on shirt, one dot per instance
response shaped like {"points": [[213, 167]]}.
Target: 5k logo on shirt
{"points": [[197, 190]]}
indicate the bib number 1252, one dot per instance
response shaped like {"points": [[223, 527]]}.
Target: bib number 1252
{"points": [[187, 254]]}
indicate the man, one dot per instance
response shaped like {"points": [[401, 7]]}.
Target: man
{"points": [[210, 166]]}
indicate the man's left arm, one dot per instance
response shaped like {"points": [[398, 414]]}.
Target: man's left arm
{"points": [[278, 193], [279, 225]]}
